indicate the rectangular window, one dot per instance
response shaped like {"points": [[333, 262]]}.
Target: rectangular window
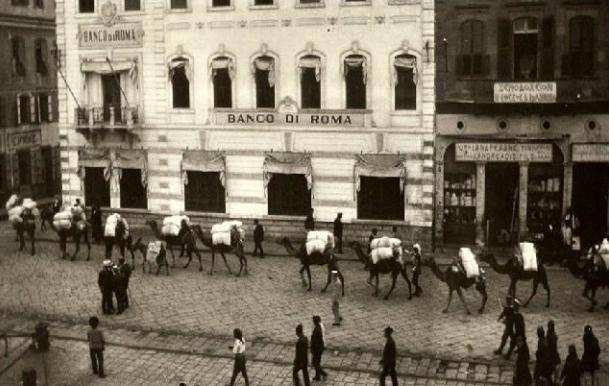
{"points": [[18, 50], [355, 82], [112, 97], [310, 82], [132, 5], [86, 6], [220, 3], [405, 90], [310, 1], [204, 192], [265, 82], [179, 4], [43, 107], [288, 194], [380, 198], [40, 55], [263, 2], [25, 167], [180, 84], [223, 93], [97, 189], [25, 112], [133, 192]]}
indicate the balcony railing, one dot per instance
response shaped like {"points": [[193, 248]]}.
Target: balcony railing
{"points": [[107, 117]]}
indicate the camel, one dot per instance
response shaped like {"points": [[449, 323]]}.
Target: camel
{"points": [[516, 273], [46, 218], [161, 259], [458, 281], [594, 277], [26, 226], [236, 247], [387, 266], [121, 241], [316, 258], [175, 241], [76, 231]]}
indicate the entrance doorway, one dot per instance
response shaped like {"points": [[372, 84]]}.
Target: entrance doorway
{"points": [[590, 190], [112, 96], [501, 202]]}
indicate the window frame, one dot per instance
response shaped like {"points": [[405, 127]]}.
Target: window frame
{"points": [[254, 6], [292, 211], [25, 176], [190, 85], [576, 73], [31, 116], [144, 188], [367, 58], [93, 11], [21, 55], [170, 9], [471, 51], [275, 83], [41, 43], [214, 207], [131, 11], [418, 88], [319, 4], [213, 57], [39, 4], [526, 31], [219, 8], [98, 189], [355, 3], [363, 189], [322, 81]]}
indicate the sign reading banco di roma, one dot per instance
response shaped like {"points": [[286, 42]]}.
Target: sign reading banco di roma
{"points": [[504, 152], [117, 35], [262, 118], [525, 92]]}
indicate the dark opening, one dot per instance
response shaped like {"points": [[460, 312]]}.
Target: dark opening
{"points": [[265, 93], [49, 171], [472, 48], [97, 189], [112, 96], [459, 217], [581, 46], [263, 2], [310, 89], [25, 167], [86, 6], [40, 55], [501, 201], [288, 194], [133, 193], [355, 88], [223, 93], [179, 4], [25, 111], [181, 88], [405, 90], [589, 202], [43, 105], [204, 193], [380, 198], [220, 3], [525, 56], [132, 5]]}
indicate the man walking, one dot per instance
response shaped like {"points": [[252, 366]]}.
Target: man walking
{"points": [[258, 238], [338, 232], [318, 345], [519, 329], [389, 359], [105, 281], [371, 237], [507, 318], [336, 294], [301, 361], [310, 222], [416, 269]]}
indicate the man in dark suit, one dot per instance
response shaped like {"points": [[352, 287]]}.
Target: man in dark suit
{"points": [[519, 328], [105, 281], [258, 238], [318, 345], [338, 232], [389, 359], [301, 361]]}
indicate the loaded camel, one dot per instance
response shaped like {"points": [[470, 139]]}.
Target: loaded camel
{"points": [[315, 258], [516, 273], [595, 274], [384, 266], [76, 230], [174, 241], [27, 225], [236, 248], [160, 260], [120, 237]]}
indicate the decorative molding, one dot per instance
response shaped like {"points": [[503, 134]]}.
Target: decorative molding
{"points": [[264, 23], [400, 19], [286, 22], [356, 20], [221, 24], [380, 19], [306, 21], [177, 26]]}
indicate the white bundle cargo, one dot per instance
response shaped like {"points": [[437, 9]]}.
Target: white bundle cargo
{"points": [[220, 228], [325, 236], [468, 259], [529, 256], [14, 214], [78, 212], [111, 222], [173, 224], [385, 242], [221, 238], [385, 253], [12, 201], [62, 221], [28, 203], [153, 251], [314, 245], [603, 251]]}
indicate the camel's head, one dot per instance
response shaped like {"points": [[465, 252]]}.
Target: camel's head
{"points": [[282, 240]]}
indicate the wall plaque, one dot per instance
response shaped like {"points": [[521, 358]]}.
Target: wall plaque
{"points": [[117, 35], [504, 152], [525, 92], [264, 118], [590, 152]]}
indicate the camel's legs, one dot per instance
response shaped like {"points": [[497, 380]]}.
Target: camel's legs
{"points": [[63, 246], [309, 277], [199, 257], [512, 288], [328, 280], [481, 288], [77, 244], [342, 281], [213, 259], [546, 286], [394, 278], [32, 236], [533, 293], [450, 298], [302, 278], [376, 283], [242, 260], [87, 243], [592, 290], [225, 262], [460, 293], [170, 247], [405, 276]]}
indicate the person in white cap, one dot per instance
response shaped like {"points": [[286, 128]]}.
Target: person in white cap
{"points": [[519, 329], [336, 294], [105, 281]]}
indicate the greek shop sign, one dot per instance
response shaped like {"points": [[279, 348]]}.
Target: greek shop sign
{"points": [[117, 35], [590, 152], [24, 140], [504, 152], [525, 92]]}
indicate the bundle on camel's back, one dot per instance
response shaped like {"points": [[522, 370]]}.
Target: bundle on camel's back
{"points": [[318, 249], [22, 215], [116, 232], [225, 237], [153, 253], [169, 232], [71, 222]]}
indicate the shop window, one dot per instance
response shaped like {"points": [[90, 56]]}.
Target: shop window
{"points": [[86, 6], [24, 161], [204, 192], [405, 82], [223, 72], [355, 73], [380, 198], [180, 83], [310, 82], [545, 193], [40, 53], [24, 110], [132, 5], [179, 4], [471, 60], [18, 52], [288, 194], [579, 61], [220, 3], [525, 48], [97, 189], [264, 77], [263, 2], [133, 192]]}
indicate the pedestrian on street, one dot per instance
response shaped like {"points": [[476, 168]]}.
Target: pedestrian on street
{"points": [[96, 346], [372, 236], [187, 239], [519, 329], [416, 269], [301, 360], [105, 281], [120, 291], [337, 287], [309, 223], [571, 372], [553, 355], [542, 372], [240, 361], [507, 318], [589, 360], [522, 373], [125, 273], [318, 345], [96, 224], [338, 232], [258, 239], [389, 359]]}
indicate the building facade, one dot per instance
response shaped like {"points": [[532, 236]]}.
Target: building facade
{"points": [[29, 161], [251, 108], [522, 118]]}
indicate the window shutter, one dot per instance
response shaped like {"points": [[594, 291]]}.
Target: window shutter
{"points": [[565, 65], [504, 49], [547, 42], [460, 65], [15, 170]]}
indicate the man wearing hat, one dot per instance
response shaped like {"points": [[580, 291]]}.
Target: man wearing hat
{"points": [[519, 328], [389, 359], [105, 281], [416, 269], [336, 294], [507, 317], [338, 232]]}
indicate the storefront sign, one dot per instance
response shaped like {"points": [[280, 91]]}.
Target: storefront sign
{"points": [[321, 118], [117, 35], [504, 152], [590, 152], [525, 92], [24, 140]]}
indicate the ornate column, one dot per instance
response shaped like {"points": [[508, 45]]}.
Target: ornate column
{"points": [[522, 198], [480, 197]]}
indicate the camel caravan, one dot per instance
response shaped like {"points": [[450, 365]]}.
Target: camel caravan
{"points": [[594, 270], [22, 214]]}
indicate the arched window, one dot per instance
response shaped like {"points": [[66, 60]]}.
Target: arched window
{"points": [[310, 81], [18, 55], [471, 60], [405, 82], [222, 73], [179, 75], [355, 73], [580, 59], [41, 55], [526, 32], [264, 77]]}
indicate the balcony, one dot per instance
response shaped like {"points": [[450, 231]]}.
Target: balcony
{"points": [[98, 121]]}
